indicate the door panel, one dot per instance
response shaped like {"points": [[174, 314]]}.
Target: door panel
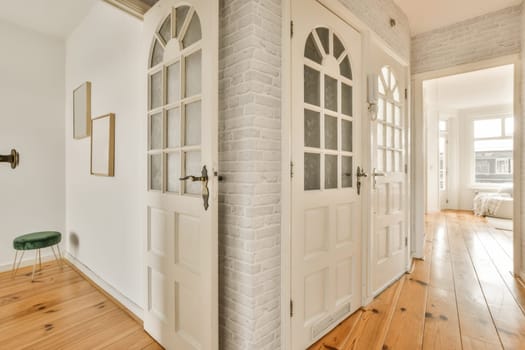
{"points": [[326, 146], [181, 257], [388, 229]]}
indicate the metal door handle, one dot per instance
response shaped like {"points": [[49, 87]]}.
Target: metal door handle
{"points": [[374, 175], [204, 189], [360, 173], [13, 158]]}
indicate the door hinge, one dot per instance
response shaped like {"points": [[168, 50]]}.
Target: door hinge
{"points": [[291, 169], [406, 168], [406, 94], [291, 308], [291, 29], [406, 241]]}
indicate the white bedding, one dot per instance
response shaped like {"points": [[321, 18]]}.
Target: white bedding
{"points": [[493, 204]]}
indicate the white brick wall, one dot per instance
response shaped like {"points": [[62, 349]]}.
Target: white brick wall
{"points": [[492, 35], [250, 161], [376, 14]]}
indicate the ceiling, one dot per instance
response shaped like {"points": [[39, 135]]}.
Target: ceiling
{"points": [[426, 15], [52, 17], [488, 87]]}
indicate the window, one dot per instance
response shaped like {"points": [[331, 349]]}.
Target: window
{"points": [[493, 146]]}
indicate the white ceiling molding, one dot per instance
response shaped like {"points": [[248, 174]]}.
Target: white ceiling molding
{"points": [[135, 8]]}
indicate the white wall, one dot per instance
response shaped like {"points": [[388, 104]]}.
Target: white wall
{"points": [[32, 121], [102, 216]]}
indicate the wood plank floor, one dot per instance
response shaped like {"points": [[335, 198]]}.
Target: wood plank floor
{"points": [[462, 296], [62, 310]]}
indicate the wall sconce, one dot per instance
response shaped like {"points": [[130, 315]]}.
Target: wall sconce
{"points": [[372, 96]]}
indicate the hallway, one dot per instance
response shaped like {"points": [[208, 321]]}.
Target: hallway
{"points": [[462, 296]]}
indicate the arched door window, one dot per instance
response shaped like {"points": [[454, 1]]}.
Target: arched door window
{"points": [[174, 102], [389, 123], [328, 112]]}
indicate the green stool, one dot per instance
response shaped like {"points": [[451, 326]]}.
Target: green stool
{"points": [[36, 241]]}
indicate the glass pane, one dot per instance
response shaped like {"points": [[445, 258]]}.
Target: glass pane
{"points": [[397, 116], [193, 124], [157, 54], [442, 125], [396, 95], [493, 145], [323, 35], [393, 81], [312, 86], [311, 51], [389, 112], [312, 129], [180, 17], [173, 128], [380, 160], [381, 109], [193, 167], [173, 172], [330, 171], [347, 136], [388, 159], [346, 171], [487, 128], [346, 99], [193, 74], [155, 163], [345, 69], [165, 30], [338, 47], [389, 140], [155, 128], [397, 161], [173, 77], [312, 171], [330, 133], [193, 34], [385, 74], [330, 93], [397, 138], [155, 90], [509, 126], [380, 136], [381, 87]]}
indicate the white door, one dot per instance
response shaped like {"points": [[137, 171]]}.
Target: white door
{"points": [[181, 256], [326, 212], [388, 232], [443, 165]]}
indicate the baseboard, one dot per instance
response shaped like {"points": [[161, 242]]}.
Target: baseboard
{"points": [[27, 261], [111, 292]]}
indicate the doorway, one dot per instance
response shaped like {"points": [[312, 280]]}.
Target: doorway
{"points": [[471, 152]]}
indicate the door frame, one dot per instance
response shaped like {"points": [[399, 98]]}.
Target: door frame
{"points": [[367, 33], [419, 158]]}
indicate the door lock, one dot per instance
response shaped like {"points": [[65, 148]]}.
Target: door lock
{"points": [[360, 173]]}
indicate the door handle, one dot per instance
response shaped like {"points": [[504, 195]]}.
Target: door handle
{"points": [[13, 158], [375, 174], [360, 173], [204, 185]]}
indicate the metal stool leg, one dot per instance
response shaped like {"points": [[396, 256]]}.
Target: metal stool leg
{"points": [[56, 256], [14, 264], [34, 266], [40, 258], [60, 256], [18, 265]]}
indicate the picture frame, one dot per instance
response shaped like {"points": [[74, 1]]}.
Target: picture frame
{"points": [[82, 111], [103, 145]]}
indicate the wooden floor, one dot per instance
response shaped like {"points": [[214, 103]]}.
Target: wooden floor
{"points": [[462, 296], [61, 310]]}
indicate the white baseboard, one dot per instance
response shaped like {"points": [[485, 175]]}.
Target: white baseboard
{"points": [[124, 300], [28, 260]]}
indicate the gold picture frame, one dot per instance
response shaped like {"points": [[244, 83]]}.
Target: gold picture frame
{"points": [[82, 111], [103, 145]]}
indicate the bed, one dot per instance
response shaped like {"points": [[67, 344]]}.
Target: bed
{"points": [[495, 204]]}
